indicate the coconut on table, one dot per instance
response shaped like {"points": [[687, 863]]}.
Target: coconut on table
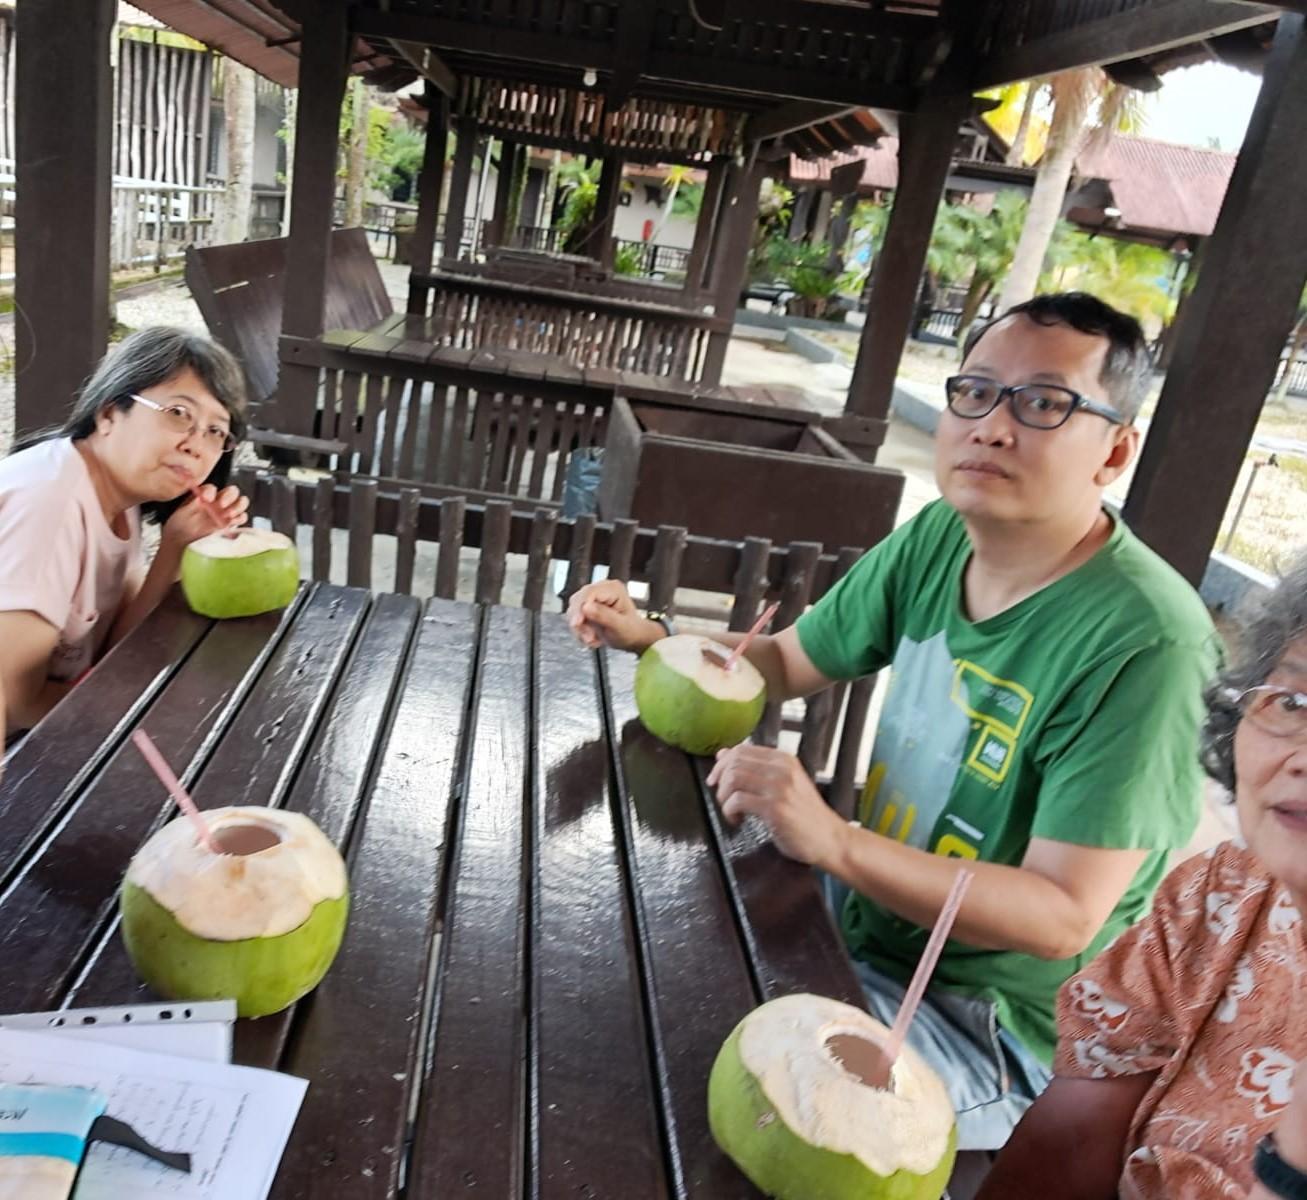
{"points": [[240, 573], [256, 915]]}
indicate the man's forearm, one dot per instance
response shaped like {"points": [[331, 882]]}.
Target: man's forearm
{"points": [[1006, 908]]}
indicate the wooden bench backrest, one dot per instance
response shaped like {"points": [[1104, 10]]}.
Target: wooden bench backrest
{"points": [[240, 288], [752, 572]]}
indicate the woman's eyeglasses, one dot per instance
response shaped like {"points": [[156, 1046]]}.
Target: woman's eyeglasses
{"points": [[1279, 711], [180, 418], [1037, 405]]}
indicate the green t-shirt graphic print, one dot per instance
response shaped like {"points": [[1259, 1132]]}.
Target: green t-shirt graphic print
{"points": [[1072, 716]]}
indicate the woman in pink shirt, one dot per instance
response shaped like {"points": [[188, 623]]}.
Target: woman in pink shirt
{"points": [[1180, 1070], [161, 415]]}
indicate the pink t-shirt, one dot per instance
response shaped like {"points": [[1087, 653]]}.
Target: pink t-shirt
{"points": [[58, 556]]}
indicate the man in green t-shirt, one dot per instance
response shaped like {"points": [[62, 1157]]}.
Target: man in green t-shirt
{"points": [[1041, 717]]}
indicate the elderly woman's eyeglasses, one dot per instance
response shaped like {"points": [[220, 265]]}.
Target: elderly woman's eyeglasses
{"points": [[1279, 711], [1037, 405], [216, 438]]}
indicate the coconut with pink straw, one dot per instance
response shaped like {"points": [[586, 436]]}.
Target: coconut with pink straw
{"points": [[814, 1099], [247, 903], [699, 695]]}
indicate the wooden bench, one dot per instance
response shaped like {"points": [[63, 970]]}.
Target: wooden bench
{"points": [[751, 572], [239, 290]]}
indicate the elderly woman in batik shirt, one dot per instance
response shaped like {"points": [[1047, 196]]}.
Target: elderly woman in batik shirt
{"points": [[1178, 1046]]}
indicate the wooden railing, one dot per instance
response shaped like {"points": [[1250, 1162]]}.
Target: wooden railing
{"points": [[471, 311], [752, 572]]}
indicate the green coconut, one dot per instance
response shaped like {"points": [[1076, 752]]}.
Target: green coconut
{"points": [[259, 922], [254, 571], [793, 1101], [686, 697]]}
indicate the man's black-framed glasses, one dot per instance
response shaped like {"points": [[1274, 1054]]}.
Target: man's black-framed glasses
{"points": [[1037, 405], [1279, 711]]}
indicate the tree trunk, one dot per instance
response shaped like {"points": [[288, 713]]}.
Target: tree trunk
{"points": [[977, 293], [1065, 136], [1296, 347], [288, 124], [356, 172], [238, 113], [1017, 151]]}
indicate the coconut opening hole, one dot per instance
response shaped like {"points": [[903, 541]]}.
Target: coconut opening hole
{"points": [[714, 656], [246, 839], [862, 1059]]}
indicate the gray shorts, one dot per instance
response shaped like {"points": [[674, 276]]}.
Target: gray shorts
{"points": [[991, 1077]]}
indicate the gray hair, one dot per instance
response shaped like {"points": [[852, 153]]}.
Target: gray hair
{"points": [[1267, 630], [1127, 366], [145, 359]]}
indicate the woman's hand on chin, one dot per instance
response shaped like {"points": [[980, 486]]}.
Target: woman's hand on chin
{"points": [[211, 511]]}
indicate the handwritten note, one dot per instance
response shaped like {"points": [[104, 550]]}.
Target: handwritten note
{"points": [[233, 1121]]}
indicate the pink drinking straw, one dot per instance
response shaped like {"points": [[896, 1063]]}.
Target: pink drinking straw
{"points": [[150, 752], [743, 644], [926, 966]]}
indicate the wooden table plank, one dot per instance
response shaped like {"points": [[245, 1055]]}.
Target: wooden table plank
{"points": [[360, 1040], [261, 747], [57, 907], [589, 1037], [331, 785], [46, 772], [792, 936], [472, 1140], [698, 981]]}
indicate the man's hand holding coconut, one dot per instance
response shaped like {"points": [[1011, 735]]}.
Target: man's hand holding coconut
{"points": [[1041, 716]]}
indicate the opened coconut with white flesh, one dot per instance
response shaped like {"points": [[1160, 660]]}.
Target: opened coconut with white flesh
{"points": [[240, 573], [259, 922], [797, 1099], [688, 697]]}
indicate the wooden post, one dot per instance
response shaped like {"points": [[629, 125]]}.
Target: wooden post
{"points": [[600, 240], [735, 225], [64, 169], [324, 67], [696, 268], [802, 212], [500, 235], [925, 155], [461, 176], [430, 181], [1239, 317]]}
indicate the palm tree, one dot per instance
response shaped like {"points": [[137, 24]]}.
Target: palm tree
{"points": [[1075, 95], [676, 177]]}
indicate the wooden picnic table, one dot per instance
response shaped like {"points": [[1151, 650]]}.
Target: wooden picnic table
{"points": [[551, 931]]}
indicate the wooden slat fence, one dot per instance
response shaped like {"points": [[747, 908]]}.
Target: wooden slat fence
{"points": [[752, 573]]}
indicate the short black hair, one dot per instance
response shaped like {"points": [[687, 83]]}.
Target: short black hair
{"points": [[1127, 366], [1267, 629]]}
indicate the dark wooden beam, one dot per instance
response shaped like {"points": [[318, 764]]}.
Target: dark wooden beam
{"points": [[1239, 317], [600, 242], [736, 220], [635, 27], [925, 156], [499, 234], [324, 69], [1145, 30], [61, 218], [697, 264], [465, 133], [718, 76], [786, 118], [427, 63], [431, 181]]}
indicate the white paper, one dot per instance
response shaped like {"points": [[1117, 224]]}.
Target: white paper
{"points": [[233, 1121], [194, 1029]]}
